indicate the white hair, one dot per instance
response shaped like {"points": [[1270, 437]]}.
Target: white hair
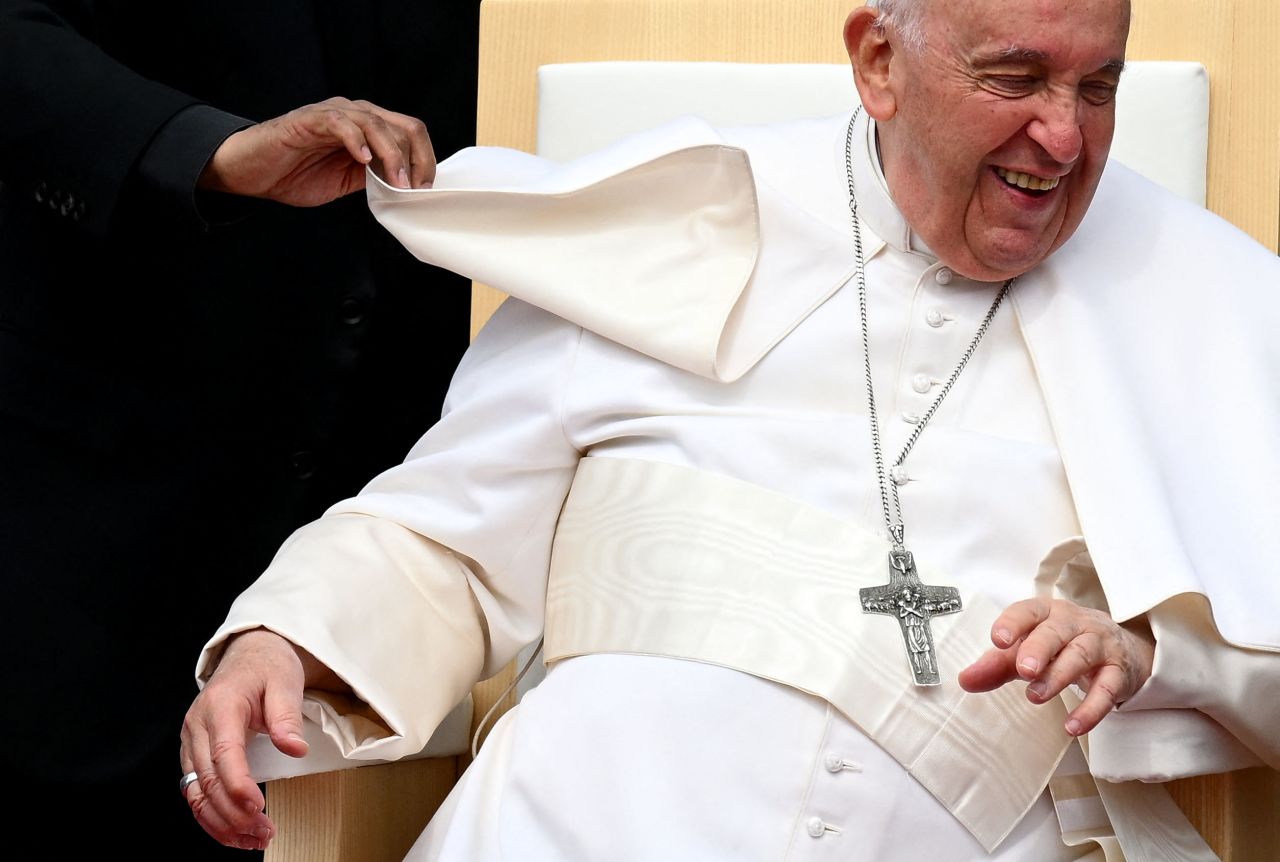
{"points": [[905, 16]]}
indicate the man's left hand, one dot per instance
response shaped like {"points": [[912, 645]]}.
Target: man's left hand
{"points": [[1053, 643]]}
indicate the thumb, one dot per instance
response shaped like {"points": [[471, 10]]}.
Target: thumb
{"points": [[282, 713]]}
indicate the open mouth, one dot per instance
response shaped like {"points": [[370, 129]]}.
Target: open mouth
{"points": [[1029, 183]]}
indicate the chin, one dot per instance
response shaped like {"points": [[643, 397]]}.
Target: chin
{"points": [[1002, 262], [989, 269]]}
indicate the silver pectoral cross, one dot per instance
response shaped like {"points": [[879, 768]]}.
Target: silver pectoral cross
{"points": [[914, 604]]}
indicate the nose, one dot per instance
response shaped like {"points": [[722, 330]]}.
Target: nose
{"points": [[1056, 127]]}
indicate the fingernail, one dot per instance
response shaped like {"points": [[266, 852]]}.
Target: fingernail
{"points": [[1003, 636], [1037, 689], [404, 178], [296, 737], [365, 154], [252, 807], [1030, 665], [1073, 727], [262, 833]]}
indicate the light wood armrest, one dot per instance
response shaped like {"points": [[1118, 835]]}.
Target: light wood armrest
{"points": [[1238, 813], [371, 813]]}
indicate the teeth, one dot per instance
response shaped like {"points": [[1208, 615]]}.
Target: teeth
{"points": [[1028, 181]]}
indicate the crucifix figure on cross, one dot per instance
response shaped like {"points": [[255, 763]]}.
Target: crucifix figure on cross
{"points": [[914, 604]]}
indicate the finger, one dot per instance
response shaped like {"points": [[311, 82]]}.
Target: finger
{"points": [[390, 147], [209, 818], [1017, 621], [415, 143], [213, 760], [422, 156], [282, 714], [992, 670], [1104, 694], [338, 124], [1078, 658], [212, 822], [227, 755], [1044, 643]]}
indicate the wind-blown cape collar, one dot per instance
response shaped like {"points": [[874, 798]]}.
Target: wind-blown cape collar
{"points": [[1154, 356]]}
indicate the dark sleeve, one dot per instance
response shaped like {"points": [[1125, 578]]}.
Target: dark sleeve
{"points": [[81, 131]]}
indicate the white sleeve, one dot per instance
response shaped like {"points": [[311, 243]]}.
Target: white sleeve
{"points": [[1209, 706], [435, 575]]}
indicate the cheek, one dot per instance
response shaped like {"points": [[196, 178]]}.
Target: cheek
{"points": [[1098, 133]]}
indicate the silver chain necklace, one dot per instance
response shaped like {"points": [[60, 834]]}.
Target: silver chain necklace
{"points": [[905, 596]]}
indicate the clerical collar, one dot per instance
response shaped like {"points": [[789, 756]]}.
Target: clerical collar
{"points": [[875, 204]]}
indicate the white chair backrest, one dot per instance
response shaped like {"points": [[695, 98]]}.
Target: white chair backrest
{"points": [[1162, 122]]}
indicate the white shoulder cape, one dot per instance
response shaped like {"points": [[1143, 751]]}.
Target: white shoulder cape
{"points": [[1150, 330]]}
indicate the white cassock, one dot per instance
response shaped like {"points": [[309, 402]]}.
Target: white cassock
{"points": [[437, 572]]}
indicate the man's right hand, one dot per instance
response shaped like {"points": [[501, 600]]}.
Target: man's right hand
{"points": [[257, 687], [318, 153]]}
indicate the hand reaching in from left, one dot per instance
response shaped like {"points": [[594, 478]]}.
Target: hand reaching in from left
{"points": [[1053, 643], [318, 153]]}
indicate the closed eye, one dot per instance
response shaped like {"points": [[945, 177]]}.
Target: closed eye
{"points": [[1098, 92], [1011, 85]]}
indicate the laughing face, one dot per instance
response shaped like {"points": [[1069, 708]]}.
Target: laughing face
{"points": [[994, 133]]}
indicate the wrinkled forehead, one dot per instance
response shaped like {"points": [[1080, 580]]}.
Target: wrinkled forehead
{"points": [[1080, 35], [1050, 27]]}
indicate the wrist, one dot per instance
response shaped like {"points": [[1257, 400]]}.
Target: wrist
{"points": [[315, 673], [222, 173], [1139, 629]]}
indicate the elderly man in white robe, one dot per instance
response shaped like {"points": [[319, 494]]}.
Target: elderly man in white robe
{"points": [[835, 460]]}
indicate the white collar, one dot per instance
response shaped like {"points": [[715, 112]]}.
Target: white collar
{"points": [[875, 203]]}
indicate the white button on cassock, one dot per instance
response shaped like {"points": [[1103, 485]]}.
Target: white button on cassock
{"points": [[911, 418], [899, 474], [833, 762], [921, 383], [943, 275], [815, 827], [934, 318]]}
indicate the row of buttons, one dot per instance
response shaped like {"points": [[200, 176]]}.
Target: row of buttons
{"points": [[922, 383], [833, 763], [934, 317], [62, 202]]}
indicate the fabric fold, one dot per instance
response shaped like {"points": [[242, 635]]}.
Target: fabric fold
{"points": [[423, 670], [710, 282]]}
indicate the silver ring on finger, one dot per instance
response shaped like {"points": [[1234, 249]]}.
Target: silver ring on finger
{"points": [[186, 781]]}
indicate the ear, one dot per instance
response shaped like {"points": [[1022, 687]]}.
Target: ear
{"points": [[870, 54]]}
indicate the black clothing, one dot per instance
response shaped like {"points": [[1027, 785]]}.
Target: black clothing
{"points": [[185, 379]]}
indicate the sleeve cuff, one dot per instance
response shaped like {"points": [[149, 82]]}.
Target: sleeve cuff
{"points": [[171, 165], [388, 611]]}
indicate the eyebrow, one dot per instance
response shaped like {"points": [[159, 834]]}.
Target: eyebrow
{"points": [[1023, 55], [1030, 55]]}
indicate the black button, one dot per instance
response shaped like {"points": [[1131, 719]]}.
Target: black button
{"points": [[304, 464], [41, 191], [68, 204], [352, 310]]}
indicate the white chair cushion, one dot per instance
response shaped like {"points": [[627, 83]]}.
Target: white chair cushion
{"points": [[1162, 124]]}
